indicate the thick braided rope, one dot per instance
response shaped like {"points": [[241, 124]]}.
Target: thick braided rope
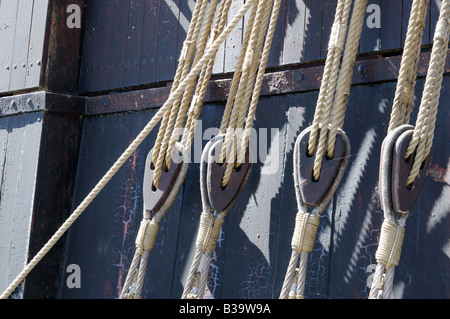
{"points": [[195, 108], [248, 70], [327, 92], [254, 55], [306, 224], [144, 243], [422, 138], [172, 137], [212, 50], [186, 56], [339, 84], [244, 92], [333, 56], [346, 73], [210, 225], [165, 156], [259, 80], [404, 93], [236, 76], [388, 252], [248, 66], [191, 105], [258, 83]]}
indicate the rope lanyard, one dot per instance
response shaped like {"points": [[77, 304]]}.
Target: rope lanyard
{"points": [[232, 144], [406, 150], [175, 94], [327, 140], [171, 126]]}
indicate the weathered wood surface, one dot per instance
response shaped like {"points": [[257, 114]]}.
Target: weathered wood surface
{"points": [[133, 46], [19, 152], [135, 43], [254, 246], [53, 193], [39, 142], [22, 36], [38, 49]]}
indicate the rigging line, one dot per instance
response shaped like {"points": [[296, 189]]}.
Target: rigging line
{"points": [[423, 135], [146, 236], [164, 156], [330, 110], [211, 220], [127, 153], [249, 87], [392, 232]]}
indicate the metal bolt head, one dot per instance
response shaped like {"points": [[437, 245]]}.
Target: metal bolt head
{"points": [[298, 76], [362, 69]]}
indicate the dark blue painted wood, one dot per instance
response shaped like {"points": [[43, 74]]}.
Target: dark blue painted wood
{"points": [[254, 246]]}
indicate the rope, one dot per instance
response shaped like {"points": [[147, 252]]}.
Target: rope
{"points": [[302, 243], [174, 95], [392, 231], [336, 83], [423, 135], [404, 93], [246, 78], [305, 231], [327, 88], [194, 109], [241, 91], [162, 154], [170, 137], [330, 113], [234, 117]]}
